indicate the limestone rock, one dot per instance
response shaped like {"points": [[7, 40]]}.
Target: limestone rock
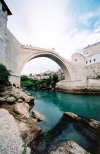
{"points": [[20, 100], [28, 94], [29, 129], [11, 100], [23, 95], [95, 124], [91, 122], [37, 115], [2, 99], [69, 147], [28, 99], [74, 116], [22, 109], [10, 140]]}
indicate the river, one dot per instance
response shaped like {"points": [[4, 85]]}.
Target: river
{"points": [[56, 128]]}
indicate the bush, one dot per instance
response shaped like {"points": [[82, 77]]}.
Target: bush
{"points": [[4, 74]]}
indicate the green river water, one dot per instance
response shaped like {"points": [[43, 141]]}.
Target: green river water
{"points": [[56, 128]]}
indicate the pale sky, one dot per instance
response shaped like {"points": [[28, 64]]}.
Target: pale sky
{"points": [[65, 25]]}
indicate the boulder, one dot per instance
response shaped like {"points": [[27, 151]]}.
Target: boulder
{"points": [[23, 95], [11, 100], [29, 99], [10, 140], [69, 147], [20, 100], [29, 129], [37, 115], [2, 99], [22, 109]]}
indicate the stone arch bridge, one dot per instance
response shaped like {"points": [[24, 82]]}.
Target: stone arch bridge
{"points": [[28, 53]]}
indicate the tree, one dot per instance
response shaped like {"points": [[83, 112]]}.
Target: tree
{"points": [[24, 77], [4, 74], [55, 78], [48, 81]]}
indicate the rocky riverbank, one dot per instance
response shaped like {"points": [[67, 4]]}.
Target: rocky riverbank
{"points": [[77, 91], [16, 124]]}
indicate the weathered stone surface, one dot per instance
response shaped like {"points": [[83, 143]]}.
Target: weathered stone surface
{"points": [[2, 99], [22, 109], [22, 95], [69, 147], [91, 122], [37, 115], [71, 115], [11, 100], [95, 124], [10, 140], [29, 129], [20, 100]]}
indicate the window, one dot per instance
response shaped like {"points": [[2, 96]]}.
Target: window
{"points": [[75, 60], [93, 70], [90, 61], [94, 59], [86, 62]]}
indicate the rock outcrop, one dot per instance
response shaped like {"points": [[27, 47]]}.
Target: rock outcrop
{"points": [[15, 95], [91, 122], [28, 127], [23, 95], [10, 140], [17, 101], [38, 116], [69, 147]]}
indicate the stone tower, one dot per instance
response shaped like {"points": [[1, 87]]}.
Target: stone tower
{"points": [[4, 12]]}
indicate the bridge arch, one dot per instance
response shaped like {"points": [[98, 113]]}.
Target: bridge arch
{"points": [[26, 56]]}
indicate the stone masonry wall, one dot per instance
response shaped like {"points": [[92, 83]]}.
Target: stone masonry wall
{"points": [[3, 24], [13, 57]]}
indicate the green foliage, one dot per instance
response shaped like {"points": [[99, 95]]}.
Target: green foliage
{"points": [[48, 81], [24, 77], [55, 78], [29, 82], [25, 148], [4, 74]]}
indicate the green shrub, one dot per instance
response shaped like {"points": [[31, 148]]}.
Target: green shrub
{"points": [[25, 148], [4, 74]]}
